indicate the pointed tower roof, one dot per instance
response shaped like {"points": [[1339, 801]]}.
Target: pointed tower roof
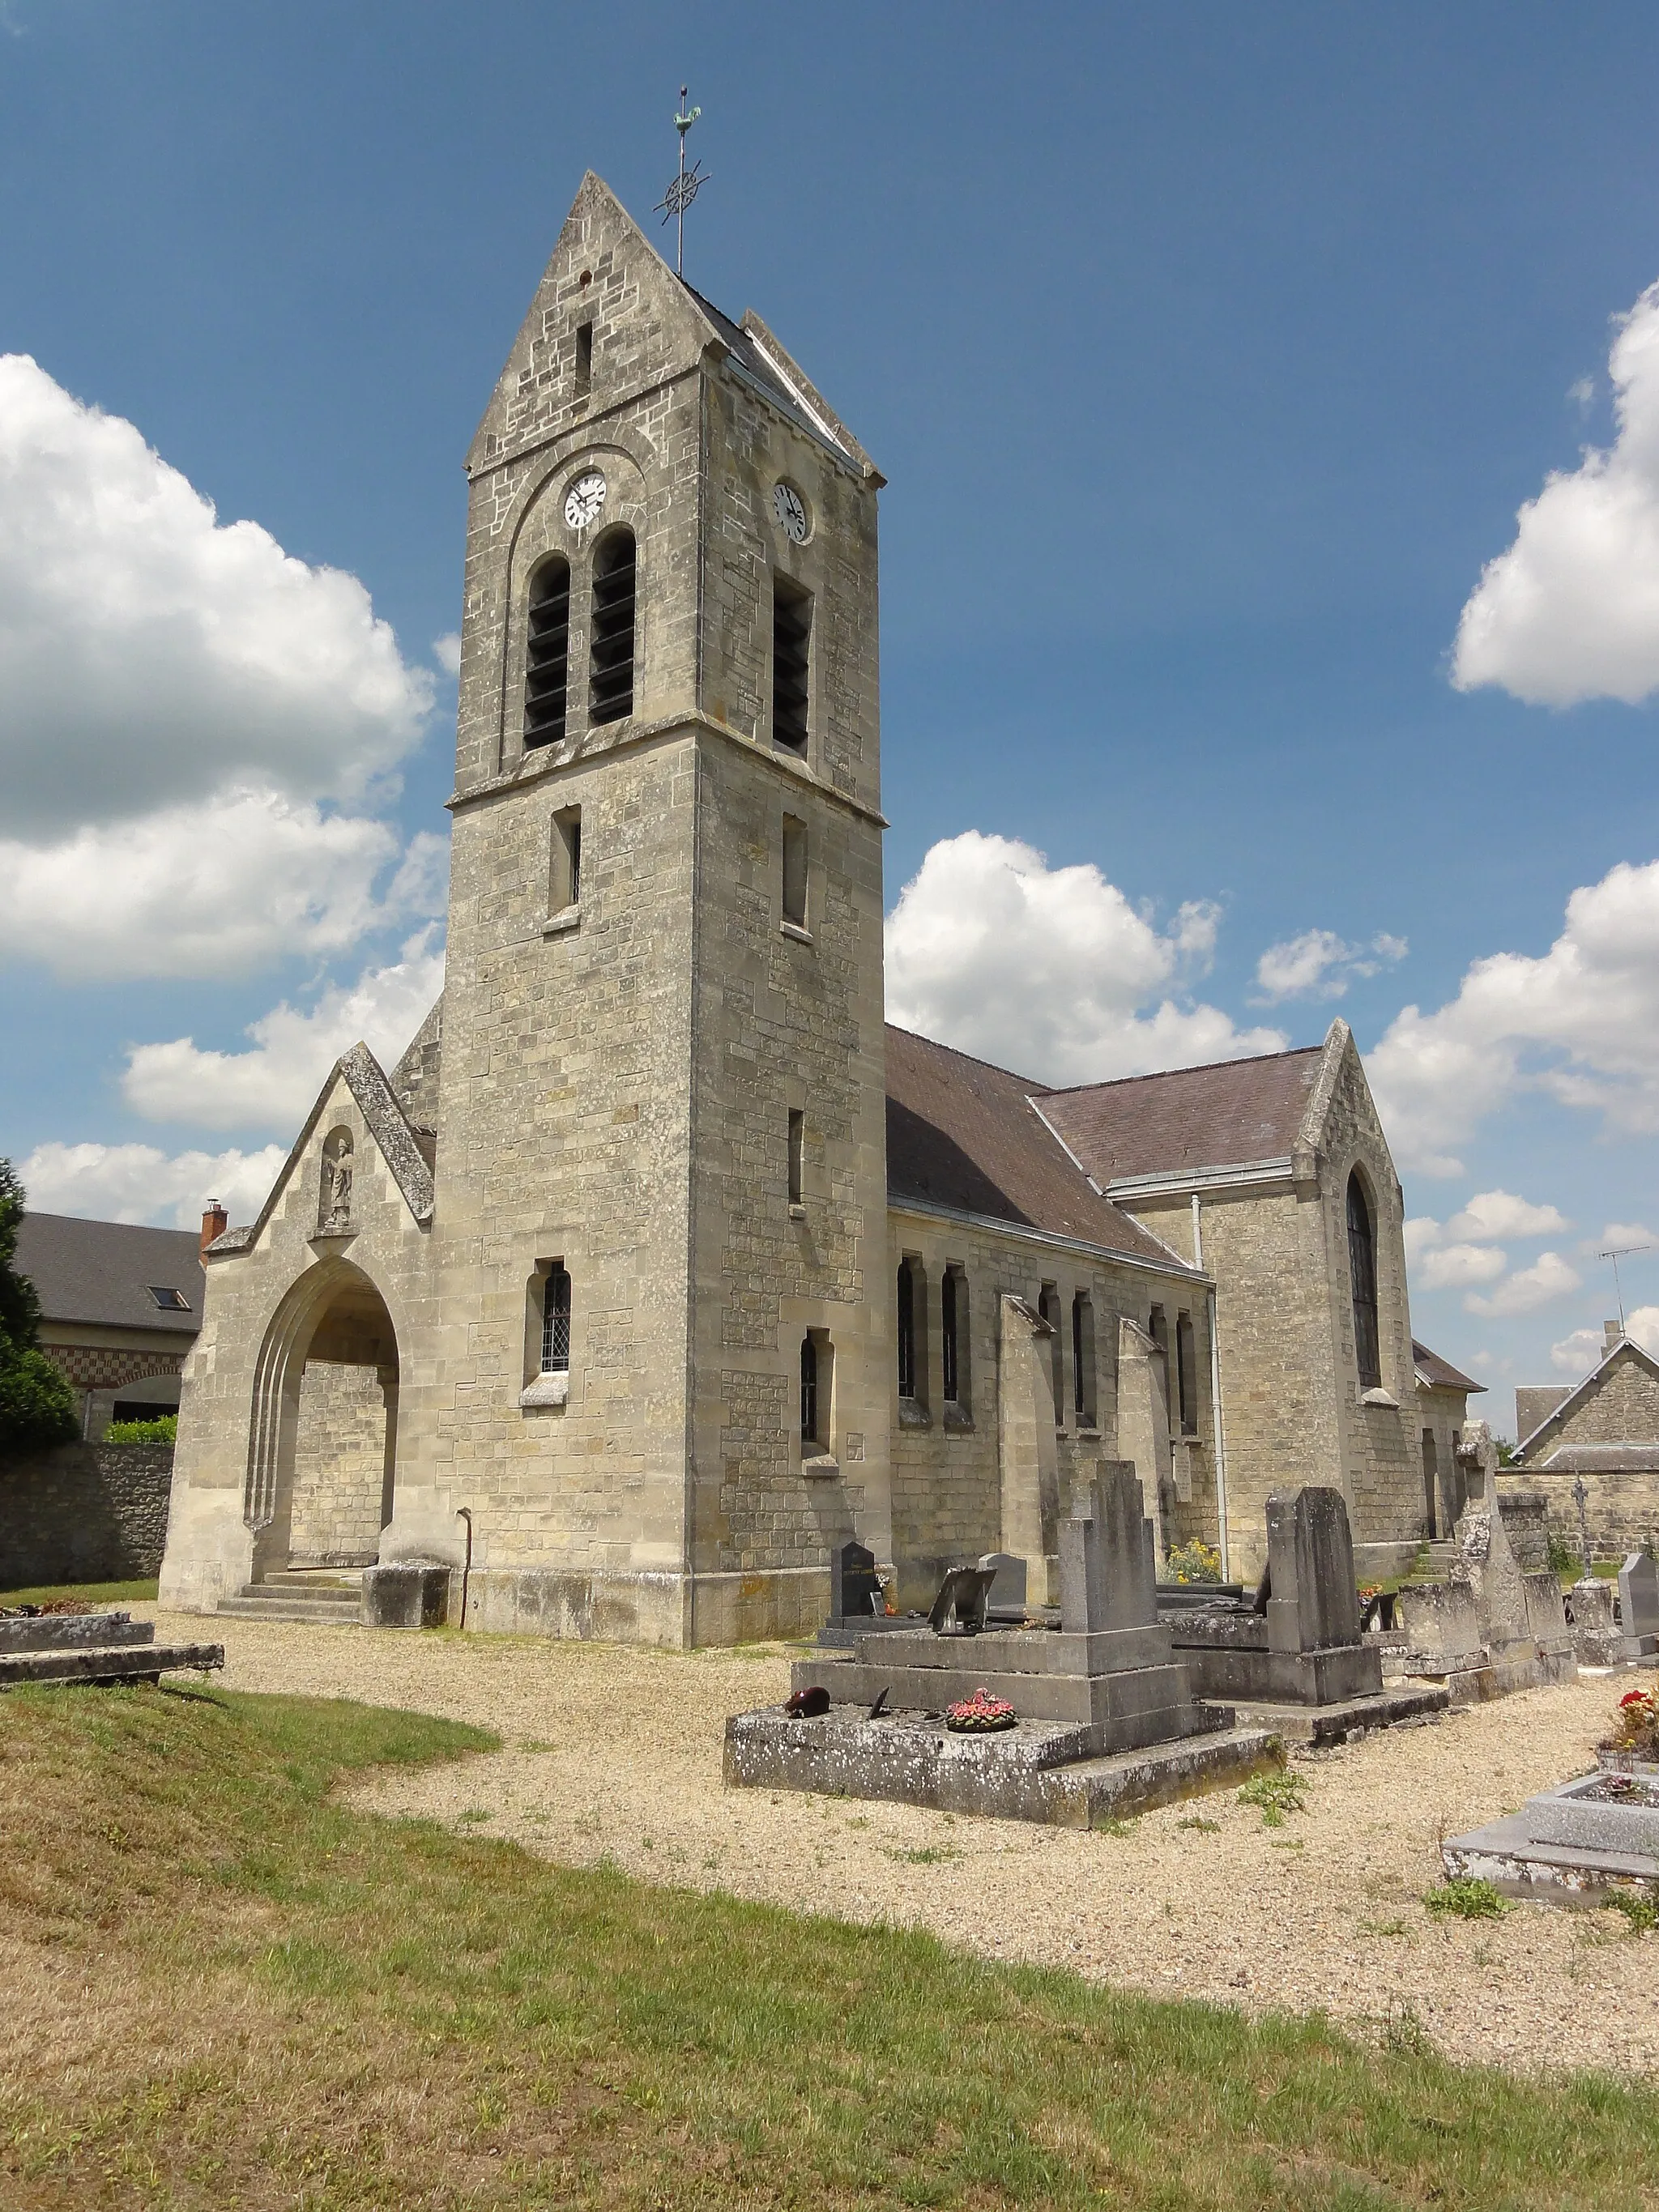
{"points": [[603, 255]]}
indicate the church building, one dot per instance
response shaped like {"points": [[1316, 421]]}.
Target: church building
{"points": [[659, 1266]]}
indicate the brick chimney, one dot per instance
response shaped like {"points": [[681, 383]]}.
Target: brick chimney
{"points": [[215, 1222]]}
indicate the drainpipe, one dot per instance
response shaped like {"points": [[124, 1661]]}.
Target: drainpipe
{"points": [[462, 1513], [1215, 1401]]}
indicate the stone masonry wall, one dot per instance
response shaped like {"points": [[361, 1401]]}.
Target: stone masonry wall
{"points": [[83, 1513], [339, 1466], [947, 1493], [1291, 1409], [1620, 1406]]}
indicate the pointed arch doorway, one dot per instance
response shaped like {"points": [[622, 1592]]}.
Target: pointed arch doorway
{"points": [[322, 1451]]}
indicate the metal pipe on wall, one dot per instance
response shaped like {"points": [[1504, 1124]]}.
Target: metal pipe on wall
{"points": [[1223, 1545]]}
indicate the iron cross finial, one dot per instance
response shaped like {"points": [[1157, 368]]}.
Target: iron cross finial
{"points": [[685, 187]]}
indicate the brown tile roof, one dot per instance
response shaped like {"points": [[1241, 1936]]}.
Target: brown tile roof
{"points": [[1224, 1116], [961, 1134], [1439, 1374]]}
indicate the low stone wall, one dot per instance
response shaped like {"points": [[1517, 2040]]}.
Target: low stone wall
{"points": [[1622, 1508], [1527, 1524], [84, 1513]]}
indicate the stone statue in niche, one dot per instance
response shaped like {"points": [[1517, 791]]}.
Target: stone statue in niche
{"points": [[334, 1201]]}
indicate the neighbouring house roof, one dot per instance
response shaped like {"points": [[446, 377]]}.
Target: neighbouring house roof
{"points": [[1233, 1113], [1624, 1348], [105, 1271], [964, 1135], [1606, 1459], [1438, 1374]]}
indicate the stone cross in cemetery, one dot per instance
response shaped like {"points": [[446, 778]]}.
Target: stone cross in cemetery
{"points": [[1489, 1627]]}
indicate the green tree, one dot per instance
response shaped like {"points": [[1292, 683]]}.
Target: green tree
{"points": [[37, 1404]]}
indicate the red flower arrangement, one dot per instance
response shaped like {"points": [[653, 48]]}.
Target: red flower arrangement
{"points": [[980, 1714], [1637, 1729]]}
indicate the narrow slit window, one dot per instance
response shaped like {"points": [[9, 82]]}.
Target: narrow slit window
{"points": [[1083, 1359], [1158, 1329], [1048, 1311], [797, 1144], [791, 639], [547, 657], [794, 872], [564, 887], [615, 578], [584, 359], [907, 1330], [556, 1321], [809, 1391], [1186, 1374], [1362, 1268], [953, 1323]]}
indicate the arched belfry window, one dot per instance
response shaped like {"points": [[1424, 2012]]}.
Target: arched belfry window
{"points": [[611, 682], [1362, 1269], [547, 654]]}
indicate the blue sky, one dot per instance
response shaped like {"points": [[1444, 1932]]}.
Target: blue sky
{"points": [[1209, 354]]}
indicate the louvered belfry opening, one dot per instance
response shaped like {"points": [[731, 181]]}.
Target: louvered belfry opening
{"points": [[614, 578], [547, 660], [792, 638]]}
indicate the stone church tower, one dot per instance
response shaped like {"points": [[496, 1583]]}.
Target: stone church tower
{"points": [[641, 1336], [657, 1269]]}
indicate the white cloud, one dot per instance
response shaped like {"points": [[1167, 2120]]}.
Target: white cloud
{"points": [[1642, 1327], [214, 889], [1320, 964], [1620, 1235], [447, 652], [1047, 971], [274, 1085], [1570, 612], [1549, 1277], [1454, 1266], [1576, 1355], [1501, 1213], [140, 1182], [1580, 1023], [148, 651]]}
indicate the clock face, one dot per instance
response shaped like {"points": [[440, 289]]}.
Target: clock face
{"points": [[790, 508], [584, 500]]}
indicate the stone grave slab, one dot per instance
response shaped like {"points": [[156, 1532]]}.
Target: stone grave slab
{"points": [[1032, 1772], [1578, 1842]]}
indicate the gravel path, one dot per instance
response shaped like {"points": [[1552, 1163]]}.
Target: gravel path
{"points": [[615, 1754]]}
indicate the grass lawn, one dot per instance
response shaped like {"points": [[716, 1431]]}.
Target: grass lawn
{"points": [[225, 1990], [90, 1594]]}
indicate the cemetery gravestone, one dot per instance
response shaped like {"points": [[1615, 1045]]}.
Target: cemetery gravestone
{"points": [[854, 1592], [1639, 1603], [1008, 1586]]}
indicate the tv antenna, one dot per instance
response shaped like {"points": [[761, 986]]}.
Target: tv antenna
{"points": [[685, 187], [1617, 1252]]}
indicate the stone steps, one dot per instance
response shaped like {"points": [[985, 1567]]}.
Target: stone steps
{"points": [[320, 1598], [1434, 1562]]}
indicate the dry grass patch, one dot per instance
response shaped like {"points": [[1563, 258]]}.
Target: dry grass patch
{"points": [[227, 1990]]}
